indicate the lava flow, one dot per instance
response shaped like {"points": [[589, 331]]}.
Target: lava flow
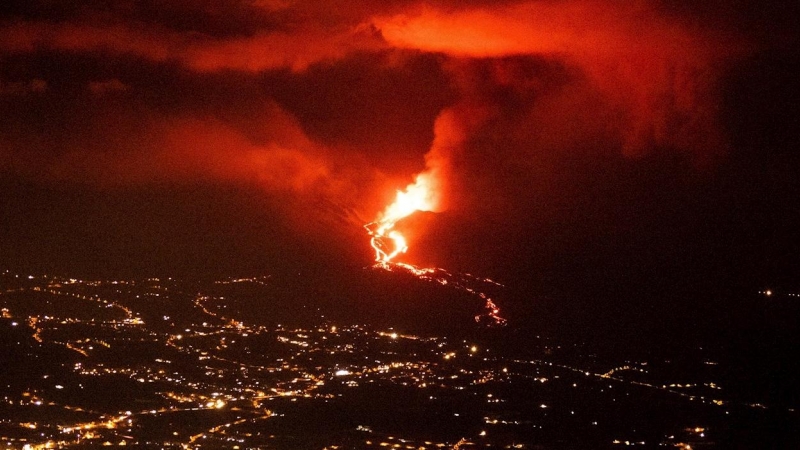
{"points": [[388, 243]]}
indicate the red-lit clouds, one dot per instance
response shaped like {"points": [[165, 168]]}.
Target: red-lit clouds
{"points": [[262, 51], [193, 149], [531, 79], [655, 70], [123, 141]]}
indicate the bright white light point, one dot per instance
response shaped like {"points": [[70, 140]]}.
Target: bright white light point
{"points": [[58, 386], [543, 406], [393, 335], [219, 404], [769, 292], [473, 349], [341, 373], [483, 433]]}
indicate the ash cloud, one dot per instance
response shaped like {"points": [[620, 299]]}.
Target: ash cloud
{"points": [[656, 73], [524, 112]]}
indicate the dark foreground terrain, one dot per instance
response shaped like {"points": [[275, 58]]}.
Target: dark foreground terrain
{"points": [[380, 360]]}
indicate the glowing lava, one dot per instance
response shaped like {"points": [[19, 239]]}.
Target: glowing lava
{"points": [[387, 241], [462, 282]]}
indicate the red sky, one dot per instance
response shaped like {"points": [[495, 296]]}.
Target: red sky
{"points": [[587, 124]]}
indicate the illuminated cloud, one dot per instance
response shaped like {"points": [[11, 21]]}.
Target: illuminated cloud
{"points": [[336, 104], [261, 51], [195, 149], [656, 71]]}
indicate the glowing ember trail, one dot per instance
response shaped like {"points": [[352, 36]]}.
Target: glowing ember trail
{"points": [[463, 282], [388, 243]]}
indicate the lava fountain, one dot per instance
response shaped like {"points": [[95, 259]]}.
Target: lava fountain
{"points": [[388, 243]]}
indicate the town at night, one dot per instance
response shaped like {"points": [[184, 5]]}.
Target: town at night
{"points": [[154, 364], [407, 224]]}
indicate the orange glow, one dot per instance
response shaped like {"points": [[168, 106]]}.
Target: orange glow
{"points": [[419, 196], [632, 53], [425, 195], [193, 50]]}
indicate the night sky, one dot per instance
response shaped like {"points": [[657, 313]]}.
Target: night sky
{"points": [[646, 149]]}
